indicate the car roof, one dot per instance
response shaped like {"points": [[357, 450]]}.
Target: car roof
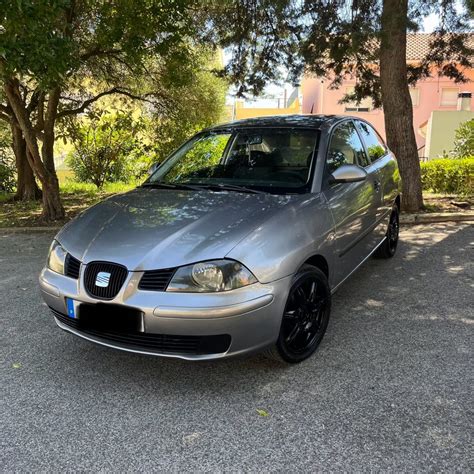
{"points": [[304, 121]]}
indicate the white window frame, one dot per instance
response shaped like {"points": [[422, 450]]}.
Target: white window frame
{"points": [[366, 105], [415, 96], [450, 104]]}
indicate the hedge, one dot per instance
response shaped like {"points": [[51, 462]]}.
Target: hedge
{"points": [[449, 176]]}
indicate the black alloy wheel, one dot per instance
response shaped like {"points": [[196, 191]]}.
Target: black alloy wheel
{"points": [[305, 318], [389, 246]]}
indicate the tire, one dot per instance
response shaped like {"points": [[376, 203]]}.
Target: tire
{"points": [[389, 246], [305, 317]]}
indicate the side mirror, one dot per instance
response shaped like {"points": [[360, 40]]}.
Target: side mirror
{"points": [[153, 168], [348, 174]]}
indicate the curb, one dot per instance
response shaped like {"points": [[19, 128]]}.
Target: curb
{"points": [[432, 218]]}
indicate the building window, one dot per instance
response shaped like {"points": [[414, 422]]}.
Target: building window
{"points": [[415, 96], [449, 97], [364, 105]]}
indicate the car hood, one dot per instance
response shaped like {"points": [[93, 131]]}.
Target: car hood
{"points": [[156, 228]]}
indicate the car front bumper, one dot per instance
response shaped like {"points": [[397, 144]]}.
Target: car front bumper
{"points": [[251, 316]]}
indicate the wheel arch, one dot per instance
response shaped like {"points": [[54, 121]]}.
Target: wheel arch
{"points": [[320, 262]]}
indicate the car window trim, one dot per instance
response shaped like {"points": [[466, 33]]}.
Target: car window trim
{"points": [[234, 131], [326, 173], [357, 121]]}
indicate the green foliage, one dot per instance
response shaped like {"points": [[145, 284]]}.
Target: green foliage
{"points": [[72, 188], [197, 104], [332, 39], [376, 151], [7, 161], [146, 134], [206, 152], [464, 140], [449, 176], [7, 177], [51, 40], [107, 148]]}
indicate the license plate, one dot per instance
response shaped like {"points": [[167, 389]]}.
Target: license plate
{"points": [[109, 317], [71, 308]]}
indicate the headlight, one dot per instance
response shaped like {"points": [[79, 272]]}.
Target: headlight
{"points": [[211, 276], [56, 258]]}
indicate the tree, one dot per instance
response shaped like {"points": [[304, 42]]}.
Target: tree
{"points": [[119, 139], [198, 103], [104, 146], [48, 48], [336, 39], [26, 186]]}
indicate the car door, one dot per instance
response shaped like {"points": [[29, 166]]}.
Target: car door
{"points": [[381, 168], [353, 205]]}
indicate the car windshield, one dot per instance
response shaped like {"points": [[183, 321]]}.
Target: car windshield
{"points": [[275, 160]]}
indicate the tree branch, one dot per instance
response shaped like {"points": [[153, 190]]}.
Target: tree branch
{"points": [[36, 97], [114, 90], [96, 51], [71, 99]]}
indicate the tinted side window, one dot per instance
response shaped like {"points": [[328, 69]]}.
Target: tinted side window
{"points": [[375, 146], [345, 148]]}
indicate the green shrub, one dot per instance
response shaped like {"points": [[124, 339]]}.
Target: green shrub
{"points": [[107, 149], [449, 176], [7, 176], [7, 160], [464, 140]]}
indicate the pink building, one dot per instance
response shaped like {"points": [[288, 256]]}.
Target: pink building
{"points": [[436, 93]]}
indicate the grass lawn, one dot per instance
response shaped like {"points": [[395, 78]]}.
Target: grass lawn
{"points": [[76, 197], [79, 196]]}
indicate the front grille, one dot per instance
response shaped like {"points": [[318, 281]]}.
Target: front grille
{"points": [[72, 267], [156, 280], [159, 343], [118, 275]]}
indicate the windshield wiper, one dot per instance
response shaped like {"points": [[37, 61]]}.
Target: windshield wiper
{"points": [[169, 186], [200, 186], [228, 187]]}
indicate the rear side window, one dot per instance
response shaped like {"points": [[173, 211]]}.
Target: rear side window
{"points": [[345, 148], [375, 146]]}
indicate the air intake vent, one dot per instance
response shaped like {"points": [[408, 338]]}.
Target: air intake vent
{"points": [[156, 280], [72, 267], [103, 280], [157, 343]]}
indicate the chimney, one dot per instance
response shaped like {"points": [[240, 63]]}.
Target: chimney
{"points": [[464, 101]]}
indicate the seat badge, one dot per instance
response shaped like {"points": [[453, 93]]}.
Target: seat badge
{"points": [[102, 279]]}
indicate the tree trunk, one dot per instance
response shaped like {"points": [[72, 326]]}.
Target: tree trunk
{"points": [[397, 103], [52, 206], [26, 187]]}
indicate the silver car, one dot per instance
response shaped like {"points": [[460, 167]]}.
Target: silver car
{"points": [[233, 245]]}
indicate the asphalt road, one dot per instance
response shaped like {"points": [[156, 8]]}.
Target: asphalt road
{"points": [[389, 389]]}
